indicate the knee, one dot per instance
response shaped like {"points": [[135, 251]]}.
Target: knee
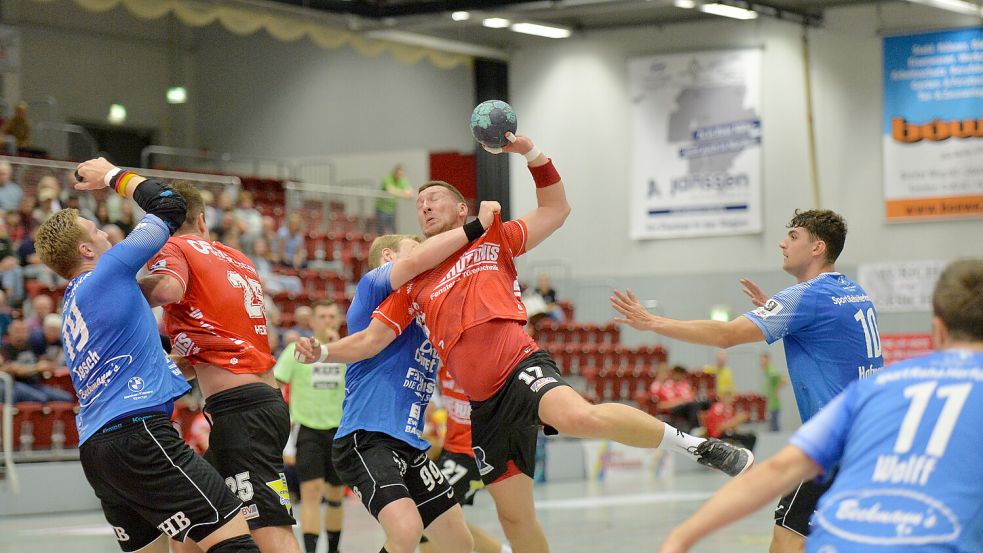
{"points": [[405, 534]]}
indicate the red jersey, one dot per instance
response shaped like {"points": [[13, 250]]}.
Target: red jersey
{"points": [[476, 287], [221, 319], [716, 415], [457, 439], [671, 390]]}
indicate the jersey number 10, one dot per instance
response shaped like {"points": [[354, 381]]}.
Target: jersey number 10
{"points": [[869, 324]]}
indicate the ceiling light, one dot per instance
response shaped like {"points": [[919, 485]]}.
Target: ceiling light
{"points": [[177, 95], [117, 114], [958, 6], [687, 4], [728, 11], [496, 23], [461, 16], [547, 31]]}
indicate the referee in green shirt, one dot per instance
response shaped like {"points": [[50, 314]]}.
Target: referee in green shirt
{"points": [[316, 394]]}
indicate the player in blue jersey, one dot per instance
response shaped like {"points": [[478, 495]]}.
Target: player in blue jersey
{"points": [[906, 442], [149, 482], [379, 450], [829, 329]]}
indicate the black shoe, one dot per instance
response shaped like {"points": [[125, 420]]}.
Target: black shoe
{"points": [[724, 457]]}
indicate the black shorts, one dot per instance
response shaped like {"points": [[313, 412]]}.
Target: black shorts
{"points": [[381, 469], [314, 455], [250, 428], [150, 482], [461, 472], [505, 426], [795, 509]]}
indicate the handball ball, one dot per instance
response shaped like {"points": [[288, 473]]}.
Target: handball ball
{"points": [[490, 120]]}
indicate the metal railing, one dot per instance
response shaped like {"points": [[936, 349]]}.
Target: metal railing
{"points": [[8, 432], [60, 145], [224, 162]]}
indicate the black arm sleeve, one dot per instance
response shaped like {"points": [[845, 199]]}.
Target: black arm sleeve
{"points": [[159, 199]]}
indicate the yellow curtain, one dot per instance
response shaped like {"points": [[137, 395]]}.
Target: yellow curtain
{"points": [[247, 20]]}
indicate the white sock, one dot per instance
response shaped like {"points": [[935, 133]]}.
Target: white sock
{"points": [[505, 549], [681, 441]]}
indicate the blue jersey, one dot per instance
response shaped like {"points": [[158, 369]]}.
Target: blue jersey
{"points": [[829, 328], [388, 393], [112, 346], [907, 442]]}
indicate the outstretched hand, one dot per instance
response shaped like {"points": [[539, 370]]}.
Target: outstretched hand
{"points": [[93, 173], [487, 211], [634, 313], [518, 144], [307, 350], [758, 298]]}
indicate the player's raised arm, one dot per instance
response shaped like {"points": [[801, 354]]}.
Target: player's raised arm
{"points": [[354, 347], [439, 247], [551, 199]]}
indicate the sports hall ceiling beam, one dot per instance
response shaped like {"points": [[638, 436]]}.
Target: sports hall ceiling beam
{"points": [[379, 9]]}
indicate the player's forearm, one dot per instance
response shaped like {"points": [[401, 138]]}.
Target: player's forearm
{"points": [[356, 347], [746, 494], [427, 255], [709, 333]]}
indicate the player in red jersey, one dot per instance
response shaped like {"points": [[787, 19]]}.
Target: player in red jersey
{"points": [[214, 315], [471, 307]]}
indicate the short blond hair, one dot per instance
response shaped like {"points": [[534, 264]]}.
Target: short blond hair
{"points": [[445, 185], [57, 242], [390, 241]]}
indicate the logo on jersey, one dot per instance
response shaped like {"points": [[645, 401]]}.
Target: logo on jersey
{"points": [[182, 345], [175, 524], [400, 464], [249, 512], [769, 309], [889, 517], [158, 265], [479, 458], [482, 258], [135, 384], [280, 487]]}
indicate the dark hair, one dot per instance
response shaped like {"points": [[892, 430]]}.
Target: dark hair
{"points": [[958, 299], [824, 225], [192, 197], [679, 369]]}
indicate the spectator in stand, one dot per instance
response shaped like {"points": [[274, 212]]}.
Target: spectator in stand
{"points": [[302, 321], [774, 381], [722, 374], [544, 288], [675, 395], [73, 201], [27, 221], [273, 283], [41, 306], [723, 421], [126, 221], [395, 186], [113, 233], [10, 191], [23, 364], [102, 214], [18, 129], [6, 317], [47, 204], [12, 278], [46, 343], [250, 221], [290, 240]]}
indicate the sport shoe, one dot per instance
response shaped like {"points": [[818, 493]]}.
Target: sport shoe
{"points": [[724, 457]]}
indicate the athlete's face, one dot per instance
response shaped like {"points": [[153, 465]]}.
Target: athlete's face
{"points": [[798, 248], [439, 210], [97, 242], [325, 317]]}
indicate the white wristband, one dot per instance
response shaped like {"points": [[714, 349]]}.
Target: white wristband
{"points": [[324, 354], [109, 176], [531, 155]]}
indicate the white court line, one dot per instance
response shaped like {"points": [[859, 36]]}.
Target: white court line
{"points": [[619, 500]]}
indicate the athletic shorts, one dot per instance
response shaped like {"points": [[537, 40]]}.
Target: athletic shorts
{"points": [[381, 469], [150, 482], [505, 426], [250, 427], [795, 509], [314, 455], [461, 472]]}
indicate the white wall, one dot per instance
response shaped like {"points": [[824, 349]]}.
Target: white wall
{"points": [[571, 96], [295, 99]]}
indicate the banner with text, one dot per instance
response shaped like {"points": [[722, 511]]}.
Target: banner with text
{"points": [[933, 122], [898, 347], [900, 286], [696, 144]]}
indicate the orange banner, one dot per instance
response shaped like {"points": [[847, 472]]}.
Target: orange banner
{"points": [[935, 208]]}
